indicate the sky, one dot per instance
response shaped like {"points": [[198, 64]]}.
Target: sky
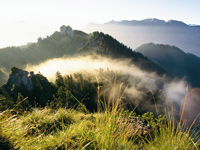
{"points": [[51, 14]]}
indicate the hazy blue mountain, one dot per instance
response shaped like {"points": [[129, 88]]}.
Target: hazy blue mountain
{"points": [[147, 22], [194, 57], [173, 60], [135, 33]]}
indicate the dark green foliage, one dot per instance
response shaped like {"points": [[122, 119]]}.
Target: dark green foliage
{"points": [[68, 92], [5, 101], [21, 103], [14, 70], [106, 45], [59, 80], [86, 92], [3, 77], [18, 89], [63, 98], [42, 90], [74, 90], [25, 90], [155, 122]]}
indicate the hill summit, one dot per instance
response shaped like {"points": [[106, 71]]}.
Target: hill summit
{"points": [[66, 30]]}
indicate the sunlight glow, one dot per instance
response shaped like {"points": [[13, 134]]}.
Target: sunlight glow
{"points": [[78, 13]]}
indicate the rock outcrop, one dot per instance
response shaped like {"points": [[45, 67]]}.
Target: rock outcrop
{"points": [[34, 86], [66, 30], [135, 127], [18, 77]]}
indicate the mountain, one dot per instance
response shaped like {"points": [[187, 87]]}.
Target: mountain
{"points": [[70, 43], [54, 46], [104, 45], [147, 22], [194, 57], [174, 61], [135, 33]]}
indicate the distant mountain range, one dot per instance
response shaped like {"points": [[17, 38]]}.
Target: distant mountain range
{"points": [[174, 61], [153, 21], [135, 33]]}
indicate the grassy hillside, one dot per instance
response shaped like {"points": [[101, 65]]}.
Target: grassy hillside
{"points": [[72, 126], [108, 129]]}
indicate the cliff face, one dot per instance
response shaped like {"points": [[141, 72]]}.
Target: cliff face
{"points": [[34, 86], [66, 30], [18, 77]]}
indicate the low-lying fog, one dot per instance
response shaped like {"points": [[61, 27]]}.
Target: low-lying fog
{"points": [[139, 81]]}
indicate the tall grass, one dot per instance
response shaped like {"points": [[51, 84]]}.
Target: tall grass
{"points": [[108, 129]]}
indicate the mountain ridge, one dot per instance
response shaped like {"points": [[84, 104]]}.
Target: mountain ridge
{"points": [[173, 60], [151, 21], [135, 33], [148, 21]]}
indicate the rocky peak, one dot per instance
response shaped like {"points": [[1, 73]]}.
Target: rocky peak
{"points": [[18, 77], [34, 86], [176, 23], [66, 30], [153, 21]]}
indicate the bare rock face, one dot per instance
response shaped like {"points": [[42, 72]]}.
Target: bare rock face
{"points": [[190, 108], [66, 30], [34, 86], [18, 77]]}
